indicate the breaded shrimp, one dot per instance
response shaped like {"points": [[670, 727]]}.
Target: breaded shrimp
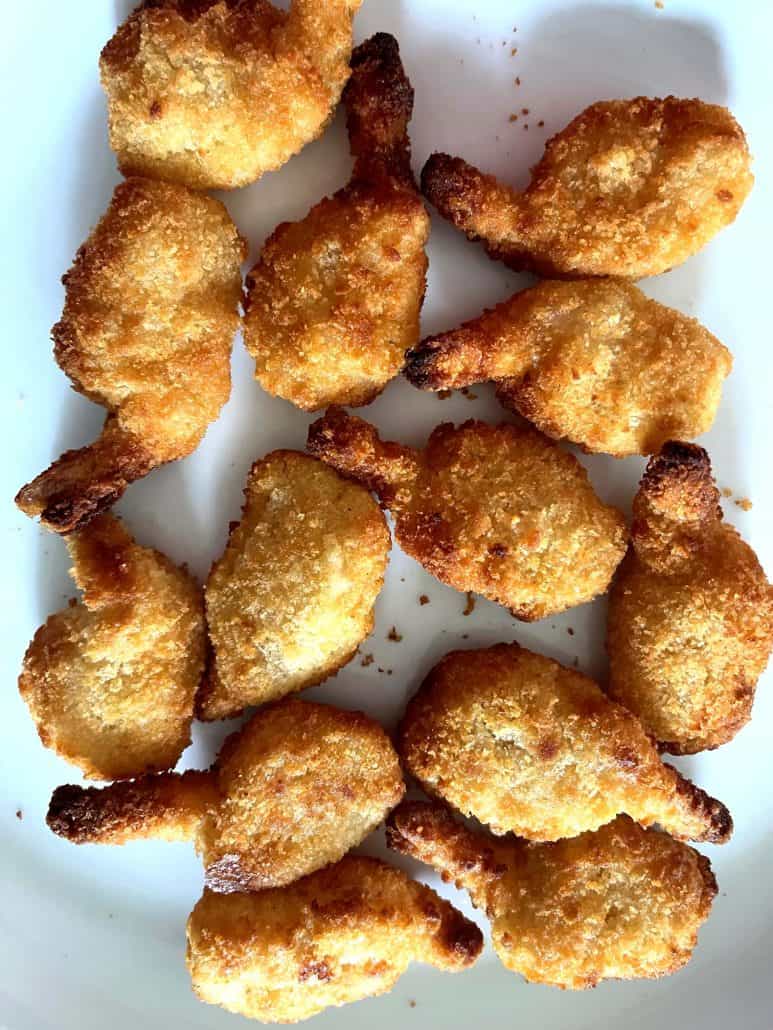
{"points": [[499, 510], [527, 745], [621, 903], [149, 319], [213, 93], [292, 791], [630, 188], [594, 361], [333, 302], [691, 611], [111, 680], [347, 932], [292, 597]]}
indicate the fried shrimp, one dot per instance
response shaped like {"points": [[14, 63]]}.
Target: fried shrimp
{"points": [[213, 93], [111, 680], [527, 745], [620, 903], [333, 303], [691, 611], [292, 791], [150, 313], [345, 933], [593, 361], [292, 597], [498, 510], [629, 188]]}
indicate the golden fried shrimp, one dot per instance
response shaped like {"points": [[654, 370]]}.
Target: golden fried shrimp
{"points": [[594, 361], [213, 93], [333, 303], [629, 188], [620, 903], [296, 788], [527, 745], [292, 596], [690, 624], [149, 318], [345, 933], [499, 510], [111, 680]]}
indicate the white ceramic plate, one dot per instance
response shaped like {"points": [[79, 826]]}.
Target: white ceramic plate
{"points": [[93, 938]]}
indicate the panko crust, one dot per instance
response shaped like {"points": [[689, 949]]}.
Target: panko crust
{"points": [[594, 361], [531, 747], [151, 309], [629, 188], [498, 510], [333, 303], [619, 903], [690, 626], [214, 93], [344, 933], [293, 595], [110, 681]]}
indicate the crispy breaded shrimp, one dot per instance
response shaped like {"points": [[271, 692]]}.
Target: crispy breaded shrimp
{"points": [[595, 361], [149, 318], [691, 611], [333, 302], [292, 596], [347, 932], [629, 188], [527, 745], [499, 510], [621, 902], [213, 93], [111, 680], [292, 791]]}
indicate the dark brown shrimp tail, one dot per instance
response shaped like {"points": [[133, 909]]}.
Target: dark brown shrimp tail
{"points": [[716, 816]]}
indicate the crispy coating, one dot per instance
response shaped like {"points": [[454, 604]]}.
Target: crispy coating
{"points": [[629, 188], [296, 788], [111, 680], [619, 903], [347, 932], [498, 510], [149, 318], [292, 597], [690, 624], [333, 303], [594, 361], [529, 746], [213, 93]]}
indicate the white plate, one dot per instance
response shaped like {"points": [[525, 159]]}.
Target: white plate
{"points": [[94, 937]]}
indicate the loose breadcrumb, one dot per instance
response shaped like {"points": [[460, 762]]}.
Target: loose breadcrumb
{"points": [[743, 503], [423, 599], [394, 635], [470, 606]]}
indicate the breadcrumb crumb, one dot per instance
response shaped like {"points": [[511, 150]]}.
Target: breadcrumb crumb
{"points": [[470, 606]]}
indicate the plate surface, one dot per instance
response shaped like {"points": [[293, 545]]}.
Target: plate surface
{"points": [[94, 937]]}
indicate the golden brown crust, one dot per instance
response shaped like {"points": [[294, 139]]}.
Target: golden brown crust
{"points": [[621, 902], [526, 745], [690, 626], [110, 681], [344, 933], [292, 596], [594, 361], [629, 188], [214, 94], [497, 510]]}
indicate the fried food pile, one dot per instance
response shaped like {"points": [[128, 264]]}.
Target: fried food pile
{"points": [[498, 510], [213, 93], [333, 303], [149, 319], [594, 361], [292, 597], [690, 627], [629, 188], [621, 902], [110, 681]]}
